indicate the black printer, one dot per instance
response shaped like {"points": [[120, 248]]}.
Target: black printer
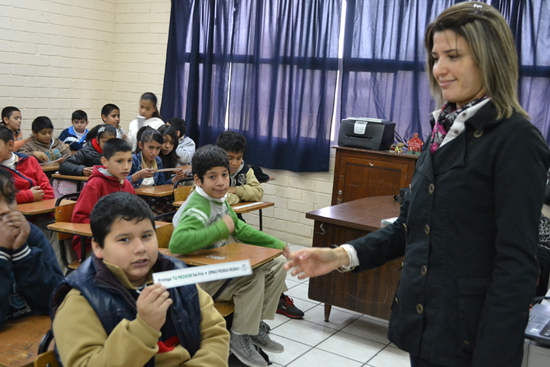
{"points": [[366, 133]]}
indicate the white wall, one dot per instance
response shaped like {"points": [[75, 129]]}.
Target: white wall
{"points": [[57, 56]]}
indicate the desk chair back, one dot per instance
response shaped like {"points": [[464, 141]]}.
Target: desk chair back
{"points": [[164, 233], [182, 192], [64, 213], [46, 359]]}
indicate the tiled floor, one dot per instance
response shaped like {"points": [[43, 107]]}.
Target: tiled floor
{"points": [[349, 339]]}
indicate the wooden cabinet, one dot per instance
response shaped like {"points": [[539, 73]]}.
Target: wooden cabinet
{"points": [[362, 173]]}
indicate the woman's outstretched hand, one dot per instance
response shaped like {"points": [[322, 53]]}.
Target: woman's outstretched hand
{"points": [[313, 262]]}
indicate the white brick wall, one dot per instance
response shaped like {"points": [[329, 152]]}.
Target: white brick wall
{"points": [[55, 58], [60, 55]]}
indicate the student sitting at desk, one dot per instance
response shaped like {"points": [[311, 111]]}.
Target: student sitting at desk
{"points": [[82, 163], [75, 136], [28, 267], [43, 145], [106, 179], [185, 145], [206, 220], [245, 187], [123, 319], [11, 118], [30, 181]]}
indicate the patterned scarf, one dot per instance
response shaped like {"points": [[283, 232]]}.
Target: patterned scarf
{"points": [[446, 119]]}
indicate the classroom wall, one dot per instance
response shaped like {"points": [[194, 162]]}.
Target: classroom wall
{"points": [[56, 57], [62, 55]]}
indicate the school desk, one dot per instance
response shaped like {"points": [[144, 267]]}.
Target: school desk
{"points": [[50, 167], [39, 207], [84, 230], [243, 207], [155, 191], [19, 340], [257, 255], [370, 292]]}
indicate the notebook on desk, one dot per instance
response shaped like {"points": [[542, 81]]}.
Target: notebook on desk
{"points": [[538, 327]]}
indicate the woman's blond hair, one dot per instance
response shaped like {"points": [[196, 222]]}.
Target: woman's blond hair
{"points": [[492, 46]]}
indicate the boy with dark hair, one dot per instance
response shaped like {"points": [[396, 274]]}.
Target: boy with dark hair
{"points": [[31, 183], [106, 179], [244, 186], [43, 145], [127, 321], [205, 221], [28, 267], [186, 145], [75, 136]]}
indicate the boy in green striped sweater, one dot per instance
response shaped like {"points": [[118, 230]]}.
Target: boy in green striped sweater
{"points": [[205, 221]]}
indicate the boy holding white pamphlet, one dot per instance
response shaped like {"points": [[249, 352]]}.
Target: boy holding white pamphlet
{"points": [[206, 220], [122, 318]]}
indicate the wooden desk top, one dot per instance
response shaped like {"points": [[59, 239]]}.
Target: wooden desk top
{"points": [[249, 206], [50, 167], [19, 340], [83, 229], [70, 178], [231, 252], [157, 191], [40, 207], [363, 214]]}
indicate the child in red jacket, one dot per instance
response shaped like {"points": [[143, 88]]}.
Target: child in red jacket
{"points": [[106, 179], [30, 181]]}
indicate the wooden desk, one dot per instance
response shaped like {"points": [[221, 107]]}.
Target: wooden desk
{"points": [[155, 191], [82, 229], [19, 340], [71, 178], [243, 207], [248, 206], [50, 167], [372, 291], [40, 207], [257, 255]]}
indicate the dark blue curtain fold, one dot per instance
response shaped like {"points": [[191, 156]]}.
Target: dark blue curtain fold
{"points": [[383, 63], [283, 80], [197, 69]]}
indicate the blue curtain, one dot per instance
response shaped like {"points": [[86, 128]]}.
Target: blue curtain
{"points": [[197, 69], [281, 58], [283, 81], [384, 57]]}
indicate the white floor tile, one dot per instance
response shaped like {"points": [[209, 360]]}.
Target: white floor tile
{"points": [[303, 331], [337, 319], [368, 328], [351, 346], [345, 310], [279, 320], [291, 283], [303, 304], [319, 358], [293, 350], [299, 291], [391, 357]]}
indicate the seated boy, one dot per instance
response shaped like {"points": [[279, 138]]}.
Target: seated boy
{"points": [[75, 136], [245, 187], [186, 145], [106, 179], [28, 267], [31, 183], [107, 313], [43, 145], [205, 220]]}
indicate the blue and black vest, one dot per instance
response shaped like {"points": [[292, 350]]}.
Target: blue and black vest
{"points": [[112, 302]]}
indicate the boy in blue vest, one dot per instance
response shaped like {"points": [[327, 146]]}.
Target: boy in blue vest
{"points": [[75, 136], [28, 267], [108, 312]]}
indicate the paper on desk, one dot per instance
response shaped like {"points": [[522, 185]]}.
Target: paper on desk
{"points": [[200, 274]]}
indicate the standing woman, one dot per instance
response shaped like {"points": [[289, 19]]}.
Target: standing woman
{"points": [[469, 227]]}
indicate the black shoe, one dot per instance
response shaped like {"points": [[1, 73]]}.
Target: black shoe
{"points": [[286, 307]]}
